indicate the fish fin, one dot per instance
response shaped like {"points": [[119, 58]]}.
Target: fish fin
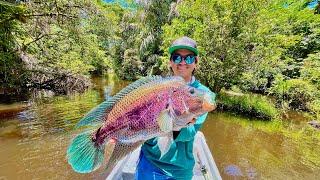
{"points": [[83, 155], [164, 143], [165, 121], [96, 115], [119, 152], [145, 80], [135, 85]]}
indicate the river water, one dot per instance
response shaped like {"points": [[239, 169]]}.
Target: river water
{"points": [[34, 136]]}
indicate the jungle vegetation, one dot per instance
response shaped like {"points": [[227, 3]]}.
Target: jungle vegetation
{"points": [[266, 47]]}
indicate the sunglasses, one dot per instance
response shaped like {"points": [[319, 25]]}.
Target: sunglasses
{"points": [[189, 59]]}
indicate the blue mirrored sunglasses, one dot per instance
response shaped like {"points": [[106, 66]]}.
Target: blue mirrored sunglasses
{"points": [[189, 59]]}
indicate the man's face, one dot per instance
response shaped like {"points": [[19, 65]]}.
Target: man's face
{"points": [[183, 69]]}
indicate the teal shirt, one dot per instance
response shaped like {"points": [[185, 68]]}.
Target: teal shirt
{"points": [[178, 162]]}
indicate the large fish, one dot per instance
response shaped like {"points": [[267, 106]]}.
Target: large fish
{"points": [[150, 107]]}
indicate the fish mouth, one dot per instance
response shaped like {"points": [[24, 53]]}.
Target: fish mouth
{"points": [[208, 106], [208, 103]]}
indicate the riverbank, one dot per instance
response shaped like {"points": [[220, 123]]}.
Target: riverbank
{"points": [[250, 105], [59, 83]]}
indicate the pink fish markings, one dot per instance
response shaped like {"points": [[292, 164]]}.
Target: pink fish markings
{"points": [[150, 107]]}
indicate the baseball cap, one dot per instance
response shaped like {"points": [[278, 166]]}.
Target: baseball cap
{"points": [[184, 43]]}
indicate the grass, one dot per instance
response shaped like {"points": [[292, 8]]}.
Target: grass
{"points": [[252, 105]]}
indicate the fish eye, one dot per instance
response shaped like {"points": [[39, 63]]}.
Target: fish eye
{"points": [[191, 90]]}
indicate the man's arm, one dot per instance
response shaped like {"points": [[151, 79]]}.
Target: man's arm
{"points": [[188, 133]]}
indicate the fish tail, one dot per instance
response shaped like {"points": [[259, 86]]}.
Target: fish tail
{"points": [[84, 155]]}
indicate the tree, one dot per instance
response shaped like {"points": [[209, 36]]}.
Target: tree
{"points": [[46, 36], [156, 14], [225, 36], [12, 73]]}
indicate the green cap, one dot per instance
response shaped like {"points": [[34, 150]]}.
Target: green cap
{"points": [[184, 43]]}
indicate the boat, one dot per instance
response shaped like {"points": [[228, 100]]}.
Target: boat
{"points": [[205, 167]]}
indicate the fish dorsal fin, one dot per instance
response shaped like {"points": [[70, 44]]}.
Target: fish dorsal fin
{"points": [[135, 85], [145, 80], [142, 81]]}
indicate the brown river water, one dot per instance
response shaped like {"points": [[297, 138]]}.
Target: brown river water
{"points": [[34, 136]]}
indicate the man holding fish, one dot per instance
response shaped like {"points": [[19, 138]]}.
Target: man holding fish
{"points": [[178, 161], [161, 114]]}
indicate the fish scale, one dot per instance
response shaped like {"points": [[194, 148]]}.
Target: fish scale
{"points": [[142, 114], [150, 107], [141, 95], [141, 125]]}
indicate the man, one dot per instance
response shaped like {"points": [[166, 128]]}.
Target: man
{"points": [[178, 162]]}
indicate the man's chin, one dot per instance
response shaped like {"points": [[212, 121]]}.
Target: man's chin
{"points": [[182, 69], [182, 72], [178, 73]]}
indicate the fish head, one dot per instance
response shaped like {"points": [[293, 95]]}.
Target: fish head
{"points": [[199, 101], [189, 102]]}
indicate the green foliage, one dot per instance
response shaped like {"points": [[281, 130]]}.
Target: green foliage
{"points": [[288, 36], [69, 41], [224, 34], [60, 35], [126, 43], [140, 32], [155, 16], [248, 104], [296, 92], [105, 25], [310, 69], [250, 43], [12, 74], [243, 43], [131, 65], [314, 106]]}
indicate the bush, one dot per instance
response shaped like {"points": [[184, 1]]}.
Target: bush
{"points": [[296, 92], [248, 104], [314, 106], [310, 69], [131, 65]]}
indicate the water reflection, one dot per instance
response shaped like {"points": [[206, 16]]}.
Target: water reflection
{"points": [[35, 136], [248, 149]]}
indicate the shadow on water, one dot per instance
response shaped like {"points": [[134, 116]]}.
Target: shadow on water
{"points": [[34, 136]]}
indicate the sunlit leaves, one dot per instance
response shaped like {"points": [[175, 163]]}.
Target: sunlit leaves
{"points": [[311, 69]]}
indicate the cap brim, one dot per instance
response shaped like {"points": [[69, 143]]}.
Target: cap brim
{"points": [[174, 48]]}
